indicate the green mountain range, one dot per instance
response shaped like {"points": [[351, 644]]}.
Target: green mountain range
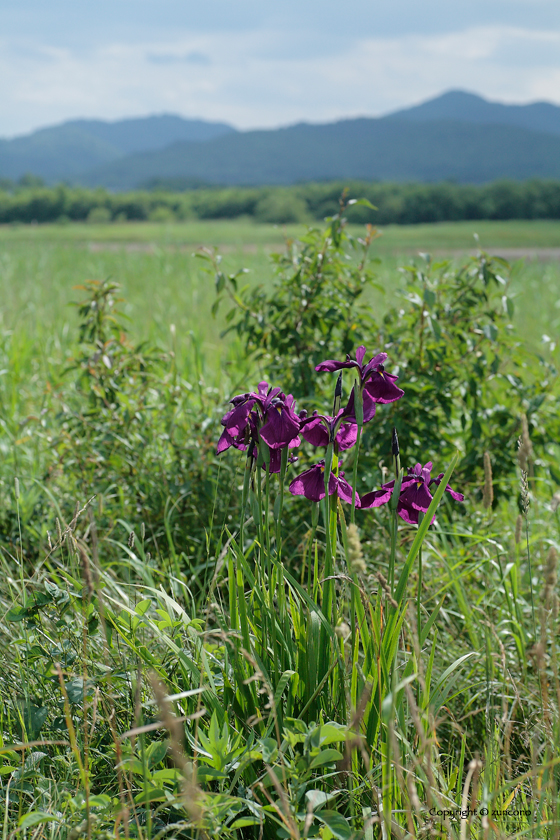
{"points": [[456, 136], [65, 152]]}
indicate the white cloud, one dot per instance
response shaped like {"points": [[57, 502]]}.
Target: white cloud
{"points": [[267, 78]]}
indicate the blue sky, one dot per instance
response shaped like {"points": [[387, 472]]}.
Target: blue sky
{"points": [[260, 63]]}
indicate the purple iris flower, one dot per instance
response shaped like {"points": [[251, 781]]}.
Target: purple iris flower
{"points": [[226, 441], [248, 440], [320, 428], [268, 414], [281, 424], [237, 418], [311, 484], [377, 385], [415, 496]]}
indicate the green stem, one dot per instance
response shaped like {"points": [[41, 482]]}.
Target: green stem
{"points": [[530, 576], [330, 462], [394, 529], [279, 504], [258, 512], [419, 597], [355, 473], [419, 591], [244, 494], [267, 515], [393, 502]]}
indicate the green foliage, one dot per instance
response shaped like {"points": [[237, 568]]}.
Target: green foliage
{"points": [[281, 207], [99, 215], [175, 665], [395, 203], [280, 723], [313, 305], [467, 373], [468, 376]]}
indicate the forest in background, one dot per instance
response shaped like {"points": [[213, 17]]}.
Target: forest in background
{"points": [[29, 201]]}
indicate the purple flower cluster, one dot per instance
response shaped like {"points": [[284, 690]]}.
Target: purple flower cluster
{"points": [[414, 496], [269, 416]]}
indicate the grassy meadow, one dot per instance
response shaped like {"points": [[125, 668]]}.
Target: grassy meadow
{"points": [[190, 651], [42, 263]]}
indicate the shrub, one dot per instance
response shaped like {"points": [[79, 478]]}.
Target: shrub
{"points": [[161, 214], [469, 376], [99, 215], [281, 207]]}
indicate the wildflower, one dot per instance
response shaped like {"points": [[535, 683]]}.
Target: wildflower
{"points": [[249, 441], [281, 424], [377, 385], [320, 429], [311, 484], [268, 415], [415, 496], [239, 435]]}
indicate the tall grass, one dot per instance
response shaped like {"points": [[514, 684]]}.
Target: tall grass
{"points": [[262, 667]]}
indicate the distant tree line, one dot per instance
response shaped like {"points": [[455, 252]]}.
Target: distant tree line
{"points": [[28, 201]]}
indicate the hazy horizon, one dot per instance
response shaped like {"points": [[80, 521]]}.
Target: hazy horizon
{"points": [[195, 117]]}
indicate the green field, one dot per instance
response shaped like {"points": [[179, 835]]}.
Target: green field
{"points": [[188, 651], [396, 238], [164, 286], [40, 265]]}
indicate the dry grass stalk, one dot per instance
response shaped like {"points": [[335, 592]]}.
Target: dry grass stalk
{"points": [[191, 793], [488, 491], [387, 590], [473, 772], [547, 608]]}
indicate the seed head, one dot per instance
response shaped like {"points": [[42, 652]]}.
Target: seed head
{"points": [[355, 554], [131, 540], [525, 500], [525, 447]]}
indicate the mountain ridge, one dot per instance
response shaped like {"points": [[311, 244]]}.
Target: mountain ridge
{"points": [[362, 149], [67, 150], [463, 106], [457, 135]]}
